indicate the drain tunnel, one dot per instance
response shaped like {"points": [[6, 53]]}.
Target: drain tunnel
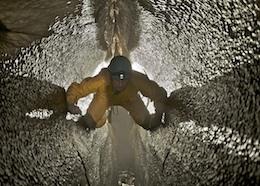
{"points": [[204, 53]]}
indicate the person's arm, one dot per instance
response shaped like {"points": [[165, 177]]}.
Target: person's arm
{"points": [[151, 90], [78, 90], [89, 85]]}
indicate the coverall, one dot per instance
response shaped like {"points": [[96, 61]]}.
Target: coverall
{"points": [[105, 96]]}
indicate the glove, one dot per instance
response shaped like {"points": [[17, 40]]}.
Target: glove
{"points": [[155, 121], [86, 122], [161, 115], [152, 122], [82, 123], [73, 109]]}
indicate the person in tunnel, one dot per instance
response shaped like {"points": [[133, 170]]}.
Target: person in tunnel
{"points": [[119, 85]]}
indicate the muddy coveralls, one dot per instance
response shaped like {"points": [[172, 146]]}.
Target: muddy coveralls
{"points": [[105, 96]]}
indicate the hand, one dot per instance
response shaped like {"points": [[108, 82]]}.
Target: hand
{"points": [[86, 121], [82, 123], [155, 121], [73, 109]]}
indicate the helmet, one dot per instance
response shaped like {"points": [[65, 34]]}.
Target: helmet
{"points": [[120, 68]]}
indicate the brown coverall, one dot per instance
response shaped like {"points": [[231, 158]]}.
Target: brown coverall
{"points": [[106, 96]]}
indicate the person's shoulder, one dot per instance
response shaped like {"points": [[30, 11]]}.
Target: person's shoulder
{"points": [[104, 72], [104, 76], [138, 75]]}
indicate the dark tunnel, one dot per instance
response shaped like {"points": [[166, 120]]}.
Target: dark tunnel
{"points": [[204, 53]]}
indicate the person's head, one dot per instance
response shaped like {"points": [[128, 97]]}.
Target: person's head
{"points": [[120, 70]]}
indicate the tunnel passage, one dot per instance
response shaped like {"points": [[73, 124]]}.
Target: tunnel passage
{"points": [[117, 23], [204, 53]]}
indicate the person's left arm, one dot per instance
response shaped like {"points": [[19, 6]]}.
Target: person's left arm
{"points": [[151, 90]]}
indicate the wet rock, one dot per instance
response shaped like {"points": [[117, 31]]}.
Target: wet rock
{"points": [[208, 49], [22, 22]]}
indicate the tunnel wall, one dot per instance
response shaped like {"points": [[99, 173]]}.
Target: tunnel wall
{"points": [[210, 47], [191, 42]]}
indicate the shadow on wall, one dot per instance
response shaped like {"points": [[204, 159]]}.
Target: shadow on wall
{"points": [[33, 149], [214, 132], [231, 100], [21, 95]]}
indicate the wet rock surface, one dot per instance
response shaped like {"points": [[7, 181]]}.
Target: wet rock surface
{"points": [[205, 54], [231, 100], [23, 22], [231, 104]]}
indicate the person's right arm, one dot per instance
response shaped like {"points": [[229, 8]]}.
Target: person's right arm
{"points": [[89, 85], [78, 90]]}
